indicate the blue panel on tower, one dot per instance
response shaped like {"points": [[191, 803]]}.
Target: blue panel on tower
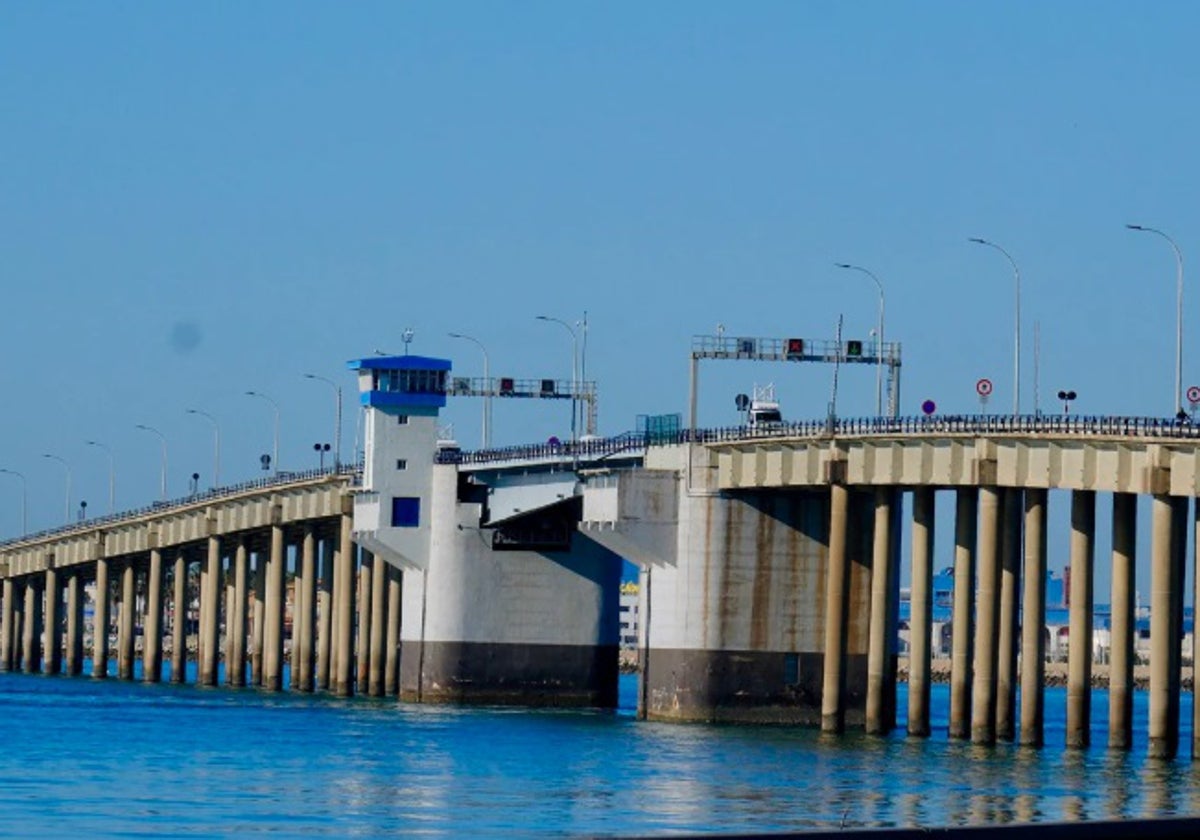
{"points": [[402, 381]]}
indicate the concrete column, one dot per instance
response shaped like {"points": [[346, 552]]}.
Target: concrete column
{"points": [[74, 641], [391, 665], [302, 647], [152, 623], [1079, 653], [966, 506], [228, 596], [1121, 659], [983, 706], [1179, 535], [179, 613], [1163, 740], [1010, 607], [375, 681], [273, 620], [257, 634], [921, 611], [1033, 621], [365, 590], [235, 667], [31, 642], [6, 626], [880, 629], [836, 607], [100, 622], [343, 593], [210, 613], [297, 615], [1195, 633], [18, 624], [53, 634], [125, 619], [324, 614]]}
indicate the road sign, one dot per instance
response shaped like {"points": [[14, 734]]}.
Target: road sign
{"points": [[1193, 394], [983, 387], [928, 407]]}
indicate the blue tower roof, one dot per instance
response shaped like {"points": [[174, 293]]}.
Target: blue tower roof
{"points": [[399, 363], [403, 383]]}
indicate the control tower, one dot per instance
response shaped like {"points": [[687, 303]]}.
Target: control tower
{"points": [[402, 396]]}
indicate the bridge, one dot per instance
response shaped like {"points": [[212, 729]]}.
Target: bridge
{"points": [[769, 566]]}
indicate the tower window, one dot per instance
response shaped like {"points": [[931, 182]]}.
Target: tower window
{"points": [[401, 419], [401, 463]]}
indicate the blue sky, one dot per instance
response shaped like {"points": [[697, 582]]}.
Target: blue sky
{"points": [[288, 186]]}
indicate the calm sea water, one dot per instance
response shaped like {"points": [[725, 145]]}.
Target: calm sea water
{"points": [[105, 758]]}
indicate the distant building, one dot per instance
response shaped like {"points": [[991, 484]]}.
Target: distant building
{"points": [[629, 615]]}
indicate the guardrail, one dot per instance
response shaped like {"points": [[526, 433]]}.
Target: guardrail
{"points": [[354, 471]]}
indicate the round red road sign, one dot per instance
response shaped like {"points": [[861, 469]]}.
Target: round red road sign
{"points": [[983, 387]]}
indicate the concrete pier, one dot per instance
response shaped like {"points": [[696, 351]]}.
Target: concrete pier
{"points": [[74, 639], [272, 668], [54, 624], [7, 633], [304, 616], [391, 668], [152, 622], [836, 609], [343, 595], [962, 641], [365, 614], [210, 613], [100, 621], [179, 615], [259, 615], [324, 615], [983, 706], [1033, 621], [235, 667], [1010, 614], [31, 636], [1121, 657], [1164, 740], [921, 604], [1079, 667], [125, 621], [378, 626], [882, 630]]}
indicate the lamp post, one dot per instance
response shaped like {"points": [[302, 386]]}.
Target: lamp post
{"points": [[879, 354], [24, 494], [163, 438], [574, 368], [275, 445], [67, 497], [337, 419], [487, 397], [112, 472], [1178, 313], [216, 443], [1016, 324], [1066, 397]]}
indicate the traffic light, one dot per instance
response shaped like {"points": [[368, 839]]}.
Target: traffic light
{"points": [[854, 349], [795, 348], [506, 385], [547, 386]]}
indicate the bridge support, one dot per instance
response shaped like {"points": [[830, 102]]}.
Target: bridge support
{"points": [[1010, 610], [983, 706], [210, 612], [235, 619], [257, 632], [272, 658], [343, 595], [833, 710], [31, 642], [1079, 655], [1033, 640], [921, 611], [179, 617], [1164, 739], [880, 709], [100, 621], [152, 622], [365, 614], [965, 515], [325, 615], [125, 633], [391, 668], [378, 626], [54, 623], [305, 613], [1121, 659], [7, 633], [74, 640]]}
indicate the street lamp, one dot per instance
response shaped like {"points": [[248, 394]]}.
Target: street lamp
{"points": [[275, 446], [879, 354], [1066, 397], [574, 367], [67, 497], [487, 396], [216, 443], [24, 519], [337, 420], [1178, 313], [112, 472], [163, 438], [1017, 322], [321, 449]]}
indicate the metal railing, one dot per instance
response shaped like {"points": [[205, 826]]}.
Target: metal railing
{"points": [[584, 450], [283, 479]]}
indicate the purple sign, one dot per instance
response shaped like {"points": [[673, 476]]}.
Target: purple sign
{"points": [[929, 406]]}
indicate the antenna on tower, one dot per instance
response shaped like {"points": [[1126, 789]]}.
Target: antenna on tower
{"points": [[407, 337]]}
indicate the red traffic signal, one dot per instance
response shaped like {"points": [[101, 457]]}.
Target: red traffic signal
{"points": [[506, 385], [795, 348]]}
